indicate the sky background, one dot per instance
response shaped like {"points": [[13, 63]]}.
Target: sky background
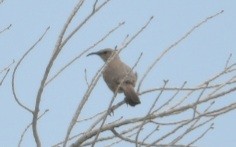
{"points": [[195, 60]]}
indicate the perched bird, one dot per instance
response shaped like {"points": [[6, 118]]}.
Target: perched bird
{"points": [[115, 72]]}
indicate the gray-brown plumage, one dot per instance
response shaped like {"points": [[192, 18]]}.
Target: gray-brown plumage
{"points": [[115, 72]]}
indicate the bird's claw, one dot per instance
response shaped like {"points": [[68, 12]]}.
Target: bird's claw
{"points": [[110, 112]]}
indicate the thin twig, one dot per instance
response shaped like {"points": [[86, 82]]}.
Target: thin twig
{"points": [[228, 60], [151, 133], [7, 28], [202, 135], [4, 77], [8, 66], [198, 99], [104, 113], [57, 50], [59, 43], [94, 5], [166, 103], [82, 103], [174, 45], [94, 81], [83, 23], [38, 98], [126, 139], [86, 77], [85, 51], [128, 136], [168, 123], [221, 111], [23, 134], [125, 43], [149, 112], [200, 87], [225, 71], [113, 136], [113, 98], [90, 118], [15, 69], [140, 119], [190, 129], [169, 133]]}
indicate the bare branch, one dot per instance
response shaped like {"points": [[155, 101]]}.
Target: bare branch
{"points": [[35, 112], [125, 44], [151, 133], [104, 113], [23, 134], [176, 93], [104, 128], [219, 86], [94, 82], [85, 51], [6, 70], [83, 22], [120, 139], [195, 108], [86, 77], [149, 112], [185, 89], [128, 131], [15, 69], [163, 123], [4, 77], [190, 106], [57, 50], [228, 60], [8, 27], [94, 5], [174, 45], [8, 67], [82, 103], [58, 46], [190, 129], [221, 111], [113, 98], [202, 135], [126, 139]]}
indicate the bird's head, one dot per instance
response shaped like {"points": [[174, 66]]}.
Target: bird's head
{"points": [[104, 53]]}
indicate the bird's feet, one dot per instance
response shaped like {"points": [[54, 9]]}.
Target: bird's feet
{"points": [[110, 111]]}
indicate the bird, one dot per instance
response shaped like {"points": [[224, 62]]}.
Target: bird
{"points": [[116, 74]]}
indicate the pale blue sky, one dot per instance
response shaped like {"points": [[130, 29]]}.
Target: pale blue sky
{"points": [[195, 60]]}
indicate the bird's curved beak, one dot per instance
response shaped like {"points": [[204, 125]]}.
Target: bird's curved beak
{"points": [[93, 53]]}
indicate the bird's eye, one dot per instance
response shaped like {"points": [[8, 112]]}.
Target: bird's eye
{"points": [[105, 52]]}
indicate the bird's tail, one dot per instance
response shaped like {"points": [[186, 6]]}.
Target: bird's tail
{"points": [[131, 96]]}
